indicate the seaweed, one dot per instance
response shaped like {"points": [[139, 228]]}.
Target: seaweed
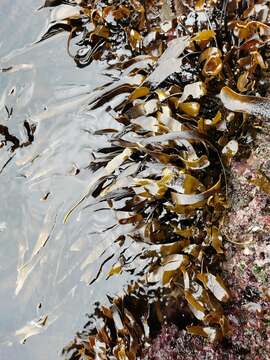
{"points": [[192, 77]]}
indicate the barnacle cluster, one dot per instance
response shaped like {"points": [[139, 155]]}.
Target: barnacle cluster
{"points": [[193, 74]]}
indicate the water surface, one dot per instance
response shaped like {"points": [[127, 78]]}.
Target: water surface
{"points": [[46, 266]]}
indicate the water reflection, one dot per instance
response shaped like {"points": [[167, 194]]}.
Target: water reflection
{"points": [[45, 266]]}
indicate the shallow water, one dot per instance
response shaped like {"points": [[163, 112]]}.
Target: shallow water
{"points": [[46, 266]]}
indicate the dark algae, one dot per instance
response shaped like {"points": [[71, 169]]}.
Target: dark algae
{"points": [[187, 86]]}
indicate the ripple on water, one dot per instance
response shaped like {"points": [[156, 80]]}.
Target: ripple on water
{"points": [[45, 266]]}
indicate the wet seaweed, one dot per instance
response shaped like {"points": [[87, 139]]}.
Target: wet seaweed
{"points": [[10, 138], [192, 76]]}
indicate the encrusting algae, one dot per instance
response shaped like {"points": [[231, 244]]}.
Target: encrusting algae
{"points": [[193, 78]]}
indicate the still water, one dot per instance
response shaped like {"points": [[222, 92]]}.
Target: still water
{"points": [[46, 266]]}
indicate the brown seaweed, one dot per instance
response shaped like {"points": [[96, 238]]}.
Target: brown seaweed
{"points": [[164, 175]]}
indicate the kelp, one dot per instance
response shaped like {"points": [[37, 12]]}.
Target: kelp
{"points": [[10, 138], [193, 77], [106, 29], [254, 105]]}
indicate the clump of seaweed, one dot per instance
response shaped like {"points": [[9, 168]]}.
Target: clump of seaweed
{"points": [[193, 79]]}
